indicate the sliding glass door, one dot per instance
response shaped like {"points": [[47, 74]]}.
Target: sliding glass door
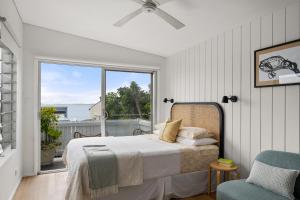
{"points": [[128, 103], [89, 101], [70, 100]]}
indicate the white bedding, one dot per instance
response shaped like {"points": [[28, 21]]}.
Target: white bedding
{"points": [[160, 159], [196, 142]]}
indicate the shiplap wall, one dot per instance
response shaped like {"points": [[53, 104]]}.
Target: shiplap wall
{"points": [[263, 118]]}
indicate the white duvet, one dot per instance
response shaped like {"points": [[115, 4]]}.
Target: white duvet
{"points": [[155, 159]]}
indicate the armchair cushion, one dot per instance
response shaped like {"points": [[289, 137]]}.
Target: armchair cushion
{"points": [[276, 179], [283, 160], [240, 190]]}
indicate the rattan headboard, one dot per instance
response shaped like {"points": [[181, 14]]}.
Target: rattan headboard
{"points": [[204, 115]]}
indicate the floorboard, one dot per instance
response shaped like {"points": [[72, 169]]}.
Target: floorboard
{"points": [[53, 187]]}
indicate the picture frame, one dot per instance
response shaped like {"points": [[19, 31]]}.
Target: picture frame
{"points": [[277, 65]]}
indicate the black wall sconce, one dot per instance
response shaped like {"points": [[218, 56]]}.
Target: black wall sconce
{"points": [[170, 100], [232, 99]]}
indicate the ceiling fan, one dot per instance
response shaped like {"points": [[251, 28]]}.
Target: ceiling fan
{"points": [[151, 6]]}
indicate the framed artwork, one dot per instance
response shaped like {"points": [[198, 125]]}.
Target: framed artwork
{"points": [[277, 65]]}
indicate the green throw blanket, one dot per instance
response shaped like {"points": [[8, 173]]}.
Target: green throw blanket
{"points": [[103, 170]]}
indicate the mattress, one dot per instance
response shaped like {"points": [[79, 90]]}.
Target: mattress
{"points": [[192, 158], [198, 158]]}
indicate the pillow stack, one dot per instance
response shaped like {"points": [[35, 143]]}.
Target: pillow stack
{"points": [[170, 131], [195, 136], [194, 133]]}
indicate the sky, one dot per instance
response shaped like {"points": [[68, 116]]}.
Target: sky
{"points": [[70, 84]]}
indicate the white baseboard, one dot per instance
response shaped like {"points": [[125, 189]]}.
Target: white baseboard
{"points": [[11, 197], [29, 174]]}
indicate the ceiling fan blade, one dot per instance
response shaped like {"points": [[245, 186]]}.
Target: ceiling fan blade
{"points": [[169, 19], [161, 2], [127, 18], [183, 3], [139, 1]]}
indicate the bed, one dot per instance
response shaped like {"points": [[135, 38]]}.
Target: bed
{"points": [[148, 167]]}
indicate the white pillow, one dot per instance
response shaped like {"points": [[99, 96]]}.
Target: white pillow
{"points": [[278, 180], [197, 142], [156, 132], [194, 132], [159, 126]]}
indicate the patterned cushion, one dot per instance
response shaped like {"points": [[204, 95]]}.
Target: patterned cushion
{"points": [[278, 180], [284, 160]]}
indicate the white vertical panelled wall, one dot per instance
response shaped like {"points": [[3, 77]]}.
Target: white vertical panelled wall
{"points": [[263, 118]]}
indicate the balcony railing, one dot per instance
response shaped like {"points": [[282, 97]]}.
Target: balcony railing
{"points": [[124, 127]]}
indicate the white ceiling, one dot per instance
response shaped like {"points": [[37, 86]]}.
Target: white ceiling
{"points": [[95, 18]]}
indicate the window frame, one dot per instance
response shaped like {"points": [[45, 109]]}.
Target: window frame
{"points": [[8, 106], [153, 92]]}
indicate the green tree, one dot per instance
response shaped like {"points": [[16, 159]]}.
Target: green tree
{"points": [[113, 106], [48, 127], [128, 102]]}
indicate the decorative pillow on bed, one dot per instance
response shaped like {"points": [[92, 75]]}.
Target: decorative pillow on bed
{"points": [[197, 142], [278, 180], [170, 131], [194, 133]]}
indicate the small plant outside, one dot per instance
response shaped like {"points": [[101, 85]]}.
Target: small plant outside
{"points": [[50, 134]]}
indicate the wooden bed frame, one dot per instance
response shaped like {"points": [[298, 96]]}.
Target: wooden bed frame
{"points": [[207, 115]]}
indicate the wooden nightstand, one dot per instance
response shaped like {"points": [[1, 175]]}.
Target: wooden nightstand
{"points": [[219, 168]]}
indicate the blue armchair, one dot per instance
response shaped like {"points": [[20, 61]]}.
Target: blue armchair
{"points": [[240, 190]]}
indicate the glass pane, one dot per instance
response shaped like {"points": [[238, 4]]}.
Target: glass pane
{"points": [[8, 89], [128, 103], [74, 93]]}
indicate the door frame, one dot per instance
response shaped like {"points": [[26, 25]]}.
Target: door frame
{"points": [[104, 66]]}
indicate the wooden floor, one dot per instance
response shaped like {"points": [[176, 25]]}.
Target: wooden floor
{"points": [[53, 186]]}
